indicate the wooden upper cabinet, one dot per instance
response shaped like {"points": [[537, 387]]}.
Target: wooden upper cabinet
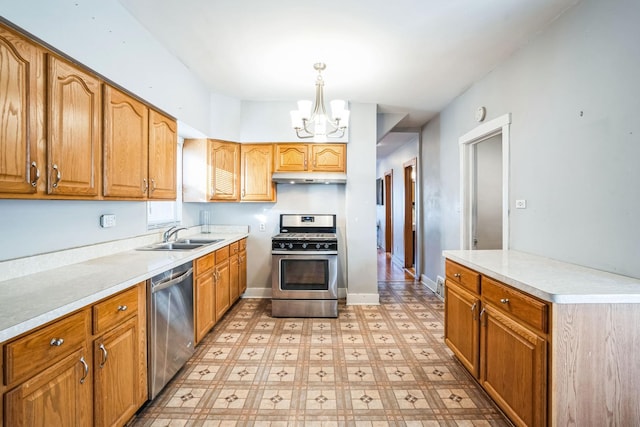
{"points": [[19, 170], [256, 164], [126, 141], [310, 158], [73, 130], [211, 170], [291, 157], [328, 158], [163, 146]]}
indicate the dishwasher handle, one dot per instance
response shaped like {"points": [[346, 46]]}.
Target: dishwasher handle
{"points": [[167, 284]]}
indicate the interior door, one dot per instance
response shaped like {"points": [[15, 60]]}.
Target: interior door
{"points": [[487, 194]]}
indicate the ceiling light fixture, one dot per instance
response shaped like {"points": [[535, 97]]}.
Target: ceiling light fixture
{"points": [[317, 124]]}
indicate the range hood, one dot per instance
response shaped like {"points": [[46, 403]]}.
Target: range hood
{"points": [[309, 178]]}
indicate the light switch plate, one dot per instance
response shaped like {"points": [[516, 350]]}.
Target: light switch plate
{"points": [[108, 220]]}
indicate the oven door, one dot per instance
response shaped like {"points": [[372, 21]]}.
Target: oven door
{"points": [[304, 275]]}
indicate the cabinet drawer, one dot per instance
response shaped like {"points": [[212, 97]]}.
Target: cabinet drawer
{"points": [[43, 347], [222, 254], [463, 276], [114, 310], [521, 306], [205, 263], [234, 248]]}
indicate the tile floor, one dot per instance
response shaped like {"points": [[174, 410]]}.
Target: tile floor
{"points": [[380, 365]]}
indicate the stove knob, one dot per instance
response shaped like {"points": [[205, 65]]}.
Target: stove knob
{"points": [[281, 245], [317, 245], [290, 245], [326, 246], [304, 245]]}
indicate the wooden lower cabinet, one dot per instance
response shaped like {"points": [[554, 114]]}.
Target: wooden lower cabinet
{"points": [[242, 266], [204, 294], [57, 396], [514, 368], [461, 326], [223, 283], [115, 370], [499, 336], [52, 378], [234, 278]]}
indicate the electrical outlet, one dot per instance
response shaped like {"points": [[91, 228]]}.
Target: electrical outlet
{"points": [[263, 226], [521, 204], [108, 220]]}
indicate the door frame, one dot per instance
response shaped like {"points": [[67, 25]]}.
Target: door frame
{"points": [[497, 126], [388, 211], [409, 236]]}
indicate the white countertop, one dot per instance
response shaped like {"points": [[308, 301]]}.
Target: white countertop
{"points": [[551, 280], [30, 301]]}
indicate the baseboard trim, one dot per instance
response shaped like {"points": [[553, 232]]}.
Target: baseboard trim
{"points": [[433, 286], [363, 299]]}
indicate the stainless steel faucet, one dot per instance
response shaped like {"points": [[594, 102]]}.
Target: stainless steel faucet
{"points": [[171, 232]]}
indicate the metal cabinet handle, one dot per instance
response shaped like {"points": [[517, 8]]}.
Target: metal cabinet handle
{"points": [[153, 185], [86, 370], [104, 355], [473, 310], [482, 314], [34, 181], [457, 275], [58, 176], [145, 186], [122, 308], [56, 342], [504, 300]]}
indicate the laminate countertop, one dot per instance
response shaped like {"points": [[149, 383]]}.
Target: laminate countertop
{"points": [[30, 301], [548, 279]]}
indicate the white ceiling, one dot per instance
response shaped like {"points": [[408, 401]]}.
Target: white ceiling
{"points": [[408, 56]]}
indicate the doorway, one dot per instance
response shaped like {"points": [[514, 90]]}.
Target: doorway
{"points": [[486, 206], [410, 215], [388, 212], [472, 175]]}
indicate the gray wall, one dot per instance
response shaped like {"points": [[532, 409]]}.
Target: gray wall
{"points": [[575, 143]]}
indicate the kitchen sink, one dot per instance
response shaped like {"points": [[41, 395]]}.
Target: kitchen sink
{"points": [[200, 241], [171, 246]]}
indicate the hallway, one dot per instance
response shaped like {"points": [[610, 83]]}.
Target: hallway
{"points": [[380, 365]]}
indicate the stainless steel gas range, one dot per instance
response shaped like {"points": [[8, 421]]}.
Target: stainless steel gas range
{"points": [[304, 276]]}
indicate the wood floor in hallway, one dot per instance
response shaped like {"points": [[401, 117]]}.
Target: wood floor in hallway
{"points": [[387, 270], [376, 365]]}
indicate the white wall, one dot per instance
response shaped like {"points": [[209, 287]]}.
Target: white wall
{"points": [[575, 143], [394, 162]]}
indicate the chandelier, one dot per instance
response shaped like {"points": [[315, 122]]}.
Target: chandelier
{"points": [[317, 124]]}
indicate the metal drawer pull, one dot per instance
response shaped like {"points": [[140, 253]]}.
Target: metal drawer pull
{"points": [[457, 275], [104, 356], [86, 370], [56, 342], [34, 182], [504, 300], [58, 176], [122, 308]]}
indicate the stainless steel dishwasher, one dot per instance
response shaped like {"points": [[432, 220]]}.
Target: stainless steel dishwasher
{"points": [[171, 335]]}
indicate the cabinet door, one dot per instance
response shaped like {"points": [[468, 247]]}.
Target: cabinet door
{"points": [[514, 368], [73, 130], [328, 158], [242, 268], [163, 147], [256, 166], [116, 373], [19, 171], [126, 142], [222, 281], [58, 396], [234, 278], [205, 311], [461, 325], [291, 157], [225, 171]]}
